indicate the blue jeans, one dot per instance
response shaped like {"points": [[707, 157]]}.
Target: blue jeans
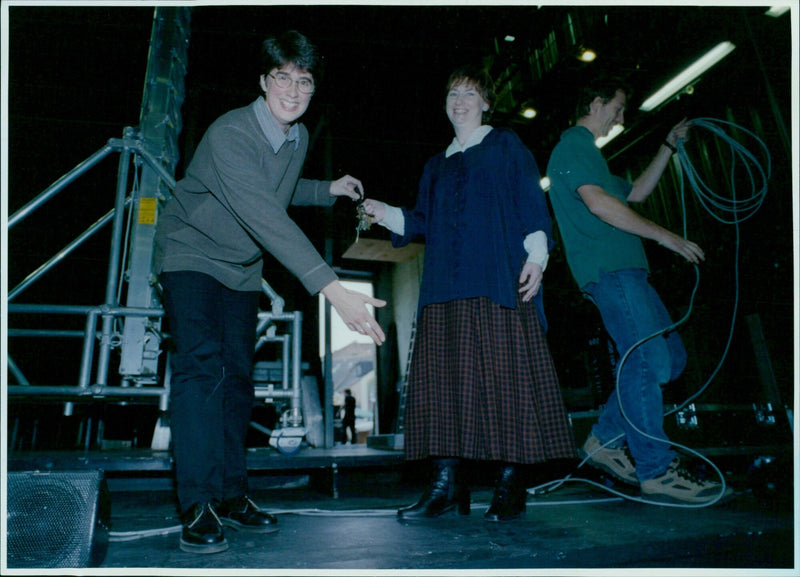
{"points": [[213, 329], [632, 310]]}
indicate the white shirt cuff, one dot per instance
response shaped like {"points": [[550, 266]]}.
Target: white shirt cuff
{"points": [[536, 246], [394, 220]]}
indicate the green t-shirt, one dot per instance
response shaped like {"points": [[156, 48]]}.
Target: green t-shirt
{"points": [[591, 245]]}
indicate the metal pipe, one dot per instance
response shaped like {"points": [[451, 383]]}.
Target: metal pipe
{"points": [[59, 185], [269, 393], [291, 347], [117, 228], [265, 315], [85, 309], [51, 309], [87, 354], [261, 428], [327, 399], [268, 339], [276, 300], [153, 163], [14, 432], [14, 370], [297, 402], [88, 442], [58, 257], [104, 354], [90, 330], [262, 325], [285, 351], [163, 402], [43, 333], [71, 392]]}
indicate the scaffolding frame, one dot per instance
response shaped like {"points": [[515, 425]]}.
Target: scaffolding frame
{"points": [[150, 154]]}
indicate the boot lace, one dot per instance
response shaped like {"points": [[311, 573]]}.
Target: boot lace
{"points": [[210, 509]]}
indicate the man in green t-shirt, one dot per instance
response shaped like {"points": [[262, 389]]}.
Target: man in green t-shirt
{"points": [[602, 238]]}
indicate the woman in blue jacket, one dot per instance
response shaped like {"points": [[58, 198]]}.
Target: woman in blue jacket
{"points": [[482, 385]]}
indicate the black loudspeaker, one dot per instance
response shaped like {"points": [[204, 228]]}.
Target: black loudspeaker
{"points": [[57, 519]]}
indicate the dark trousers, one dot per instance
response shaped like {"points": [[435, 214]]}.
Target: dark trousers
{"points": [[349, 424], [211, 392]]}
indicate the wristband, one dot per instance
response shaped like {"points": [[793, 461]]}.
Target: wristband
{"points": [[672, 148]]}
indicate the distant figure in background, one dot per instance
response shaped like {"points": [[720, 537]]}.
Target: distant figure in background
{"points": [[602, 240], [482, 384], [228, 210], [349, 418]]}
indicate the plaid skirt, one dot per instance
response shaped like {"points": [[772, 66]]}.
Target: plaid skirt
{"points": [[482, 385]]}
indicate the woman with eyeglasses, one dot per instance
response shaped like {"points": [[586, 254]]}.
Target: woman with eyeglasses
{"points": [[229, 209], [481, 386]]}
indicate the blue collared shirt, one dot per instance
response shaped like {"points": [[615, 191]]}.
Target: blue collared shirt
{"points": [[272, 131]]}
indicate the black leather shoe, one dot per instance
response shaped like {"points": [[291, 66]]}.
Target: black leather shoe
{"points": [[443, 495], [202, 530], [241, 513], [509, 497]]}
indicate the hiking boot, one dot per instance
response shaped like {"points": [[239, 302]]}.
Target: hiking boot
{"points": [[678, 485], [616, 461]]}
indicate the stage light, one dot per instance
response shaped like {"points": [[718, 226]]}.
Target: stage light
{"points": [[694, 70], [587, 55]]}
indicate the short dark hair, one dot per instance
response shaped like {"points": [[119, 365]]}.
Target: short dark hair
{"points": [[481, 79], [606, 87], [291, 47]]}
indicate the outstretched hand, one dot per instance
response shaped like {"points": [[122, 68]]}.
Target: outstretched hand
{"points": [[351, 306], [686, 248], [375, 209], [347, 186]]}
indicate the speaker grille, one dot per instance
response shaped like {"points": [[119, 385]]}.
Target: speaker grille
{"points": [[57, 519]]}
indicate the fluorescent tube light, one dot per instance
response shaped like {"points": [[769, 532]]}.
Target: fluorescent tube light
{"points": [[615, 131], [776, 11], [694, 70]]}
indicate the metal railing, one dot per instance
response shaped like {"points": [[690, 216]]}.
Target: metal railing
{"points": [[133, 329], [93, 379]]}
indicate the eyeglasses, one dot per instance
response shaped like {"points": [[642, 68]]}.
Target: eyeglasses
{"points": [[283, 80]]}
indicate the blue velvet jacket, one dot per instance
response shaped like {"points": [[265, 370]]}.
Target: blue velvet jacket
{"points": [[473, 212]]}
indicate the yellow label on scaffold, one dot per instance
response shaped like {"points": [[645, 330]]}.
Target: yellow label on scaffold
{"points": [[147, 211]]}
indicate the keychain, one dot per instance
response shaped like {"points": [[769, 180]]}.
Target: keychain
{"points": [[364, 220]]}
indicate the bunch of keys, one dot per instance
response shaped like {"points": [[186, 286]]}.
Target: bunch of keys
{"points": [[364, 220]]}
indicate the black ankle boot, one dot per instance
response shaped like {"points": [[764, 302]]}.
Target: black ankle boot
{"points": [[444, 494], [509, 497]]}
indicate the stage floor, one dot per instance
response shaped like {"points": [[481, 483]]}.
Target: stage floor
{"points": [[354, 530]]}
